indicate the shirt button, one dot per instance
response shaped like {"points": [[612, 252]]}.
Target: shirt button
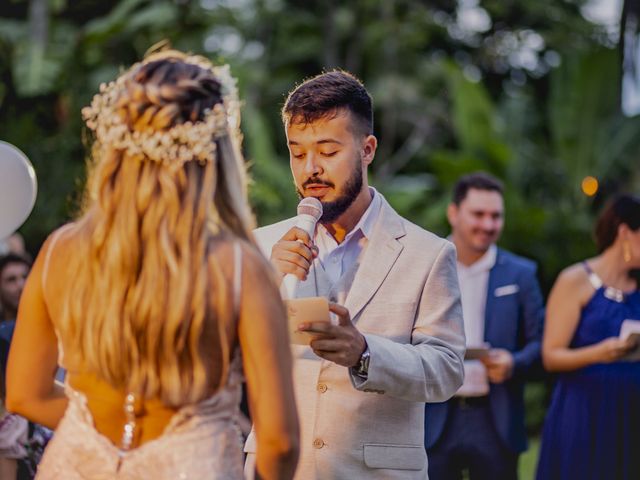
{"points": [[318, 443], [321, 387]]}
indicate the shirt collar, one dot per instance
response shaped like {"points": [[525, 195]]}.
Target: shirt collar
{"points": [[483, 264], [367, 220]]}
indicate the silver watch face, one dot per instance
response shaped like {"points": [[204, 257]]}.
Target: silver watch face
{"points": [[363, 365]]}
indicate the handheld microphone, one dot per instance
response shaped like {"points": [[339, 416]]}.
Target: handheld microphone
{"points": [[309, 212]]}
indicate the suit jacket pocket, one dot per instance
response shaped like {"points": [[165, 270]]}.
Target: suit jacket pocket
{"points": [[395, 457], [506, 290]]}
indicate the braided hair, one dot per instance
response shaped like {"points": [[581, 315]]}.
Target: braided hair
{"points": [[167, 92], [149, 308]]}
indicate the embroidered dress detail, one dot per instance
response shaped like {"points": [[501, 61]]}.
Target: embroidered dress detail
{"points": [[130, 426], [597, 283]]}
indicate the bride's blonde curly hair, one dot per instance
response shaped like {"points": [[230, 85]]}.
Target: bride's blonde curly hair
{"points": [[150, 311]]}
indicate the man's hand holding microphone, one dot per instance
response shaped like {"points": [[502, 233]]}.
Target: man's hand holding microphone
{"points": [[292, 257]]}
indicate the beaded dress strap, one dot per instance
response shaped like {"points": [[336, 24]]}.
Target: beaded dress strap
{"points": [[609, 292], [43, 280], [595, 280], [237, 277], [47, 258]]}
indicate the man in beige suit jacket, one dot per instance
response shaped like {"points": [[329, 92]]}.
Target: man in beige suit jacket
{"points": [[362, 383]]}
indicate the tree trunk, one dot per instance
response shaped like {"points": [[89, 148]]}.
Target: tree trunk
{"points": [[39, 22]]}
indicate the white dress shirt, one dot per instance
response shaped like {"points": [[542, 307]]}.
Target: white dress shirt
{"points": [[335, 259], [474, 282]]}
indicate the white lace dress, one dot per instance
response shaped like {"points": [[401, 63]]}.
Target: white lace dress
{"points": [[200, 442]]}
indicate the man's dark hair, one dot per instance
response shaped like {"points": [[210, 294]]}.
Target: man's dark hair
{"points": [[623, 208], [478, 181], [13, 258], [324, 95]]}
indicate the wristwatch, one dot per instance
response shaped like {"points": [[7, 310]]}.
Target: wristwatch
{"points": [[361, 369]]}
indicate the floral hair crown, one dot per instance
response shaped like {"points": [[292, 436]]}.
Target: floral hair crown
{"points": [[178, 144]]}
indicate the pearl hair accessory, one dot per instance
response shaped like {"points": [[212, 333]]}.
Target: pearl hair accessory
{"points": [[184, 142]]}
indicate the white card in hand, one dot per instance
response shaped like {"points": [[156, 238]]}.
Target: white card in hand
{"points": [[630, 329], [307, 310]]}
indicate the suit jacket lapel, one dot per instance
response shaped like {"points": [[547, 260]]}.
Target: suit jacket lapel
{"points": [[494, 277], [381, 253]]}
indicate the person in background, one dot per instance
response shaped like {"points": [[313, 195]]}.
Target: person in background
{"points": [[156, 299], [14, 430], [14, 269], [592, 425], [481, 429]]}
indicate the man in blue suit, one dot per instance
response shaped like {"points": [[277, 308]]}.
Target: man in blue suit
{"points": [[481, 429]]}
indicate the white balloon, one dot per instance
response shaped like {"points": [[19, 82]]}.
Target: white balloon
{"points": [[18, 188]]}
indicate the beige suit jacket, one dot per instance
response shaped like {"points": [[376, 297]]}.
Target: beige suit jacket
{"points": [[405, 300]]}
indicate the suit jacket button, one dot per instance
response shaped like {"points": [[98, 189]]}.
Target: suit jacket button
{"points": [[318, 443], [322, 387]]}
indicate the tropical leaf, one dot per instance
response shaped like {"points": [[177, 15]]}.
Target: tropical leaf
{"points": [[584, 94], [272, 189], [475, 120], [36, 69], [157, 15], [103, 27], [34, 73], [618, 151], [13, 30]]}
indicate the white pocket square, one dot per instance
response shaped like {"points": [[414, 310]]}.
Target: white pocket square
{"points": [[506, 290]]}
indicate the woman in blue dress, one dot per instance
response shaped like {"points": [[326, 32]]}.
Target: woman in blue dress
{"points": [[592, 429]]}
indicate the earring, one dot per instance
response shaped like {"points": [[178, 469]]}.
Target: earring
{"points": [[626, 252]]}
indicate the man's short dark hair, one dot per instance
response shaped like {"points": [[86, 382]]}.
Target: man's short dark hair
{"points": [[10, 258], [324, 95], [478, 181]]}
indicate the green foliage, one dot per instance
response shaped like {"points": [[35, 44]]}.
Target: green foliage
{"points": [[581, 101], [37, 68], [528, 461], [531, 96], [272, 192]]}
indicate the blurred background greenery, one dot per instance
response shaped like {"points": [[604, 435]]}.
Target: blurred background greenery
{"points": [[526, 89]]}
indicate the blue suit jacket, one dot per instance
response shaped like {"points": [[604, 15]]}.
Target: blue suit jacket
{"points": [[513, 321]]}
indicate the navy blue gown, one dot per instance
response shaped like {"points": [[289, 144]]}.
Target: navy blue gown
{"points": [[592, 428]]}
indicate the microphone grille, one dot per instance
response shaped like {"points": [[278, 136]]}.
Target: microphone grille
{"points": [[310, 206]]}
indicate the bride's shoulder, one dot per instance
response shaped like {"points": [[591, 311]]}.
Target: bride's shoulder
{"points": [[230, 247], [61, 236], [60, 244], [235, 253]]}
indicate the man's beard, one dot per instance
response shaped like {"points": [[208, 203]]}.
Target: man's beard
{"points": [[331, 211]]}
